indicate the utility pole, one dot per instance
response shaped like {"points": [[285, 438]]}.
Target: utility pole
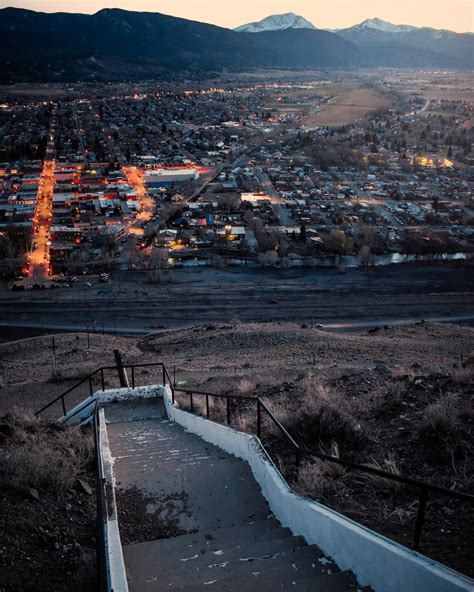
{"points": [[54, 357]]}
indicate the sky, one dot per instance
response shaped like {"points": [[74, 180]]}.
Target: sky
{"points": [[455, 15]]}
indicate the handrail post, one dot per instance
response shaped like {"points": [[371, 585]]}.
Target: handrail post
{"points": [[228, 410], [102, 380], [259, 419], [91, 392], [164, 375], [121, 369], [172, 394], [192, 402], [207, 406], [64, 405], [133, 377], [420, 517]]}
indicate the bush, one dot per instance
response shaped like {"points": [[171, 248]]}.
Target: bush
{"points": [[389, 465], [246, 387], [324, 414], [43, 455], [318, 478], [442, 416]]}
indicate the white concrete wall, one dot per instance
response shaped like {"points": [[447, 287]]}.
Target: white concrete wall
{"points": [[374, 559], [115, 566], [87, 406]]}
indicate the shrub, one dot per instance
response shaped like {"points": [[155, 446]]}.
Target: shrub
{"points": [[317, 478], [43, 455], [325, 414], [246, 387], [389, 465], [442, 416]]}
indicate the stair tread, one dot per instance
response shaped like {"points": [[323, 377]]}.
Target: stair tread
{"points": [[210, 537], [305, 560], [283, 579], [198, 561]]}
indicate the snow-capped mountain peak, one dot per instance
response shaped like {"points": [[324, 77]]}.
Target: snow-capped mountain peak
{"points": [[276, 22], [382, 26]]}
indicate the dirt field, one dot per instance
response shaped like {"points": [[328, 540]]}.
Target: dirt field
{"points": [[351, 103], [34, 90], [214, 351]]}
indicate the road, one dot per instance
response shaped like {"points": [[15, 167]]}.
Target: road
{"points": [[135, 177], [277, 202], [39, 258]]}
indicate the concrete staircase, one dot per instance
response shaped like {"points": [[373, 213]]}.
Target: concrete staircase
{"points": [[234, 543]]}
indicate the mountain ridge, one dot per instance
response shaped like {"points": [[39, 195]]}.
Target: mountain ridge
{"points": [[276, 22], [115, 44]]}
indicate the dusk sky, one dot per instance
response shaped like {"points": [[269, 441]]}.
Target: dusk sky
{"points": [[456, 15]]}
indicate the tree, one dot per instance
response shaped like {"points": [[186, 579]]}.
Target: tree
{"points": [[365, 256], [338, 242], [303, 233], [269, 259]]}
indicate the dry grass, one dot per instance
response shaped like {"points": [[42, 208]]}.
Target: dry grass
{"points": [[318, 478], [463, 376], [246, 387], [319, 413], [442, 417], [42, 455], [389, 465]]}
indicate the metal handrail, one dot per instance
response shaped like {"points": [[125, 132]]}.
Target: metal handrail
{"points": [[424, 487], [103, 575], [101, 370]]}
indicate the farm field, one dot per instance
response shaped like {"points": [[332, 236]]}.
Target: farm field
{"points": [[350, 103]]}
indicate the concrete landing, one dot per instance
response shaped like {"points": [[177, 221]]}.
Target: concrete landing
{"points": [[233, 543], [208, 487]]}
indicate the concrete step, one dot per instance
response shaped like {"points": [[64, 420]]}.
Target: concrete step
{"points": [[163, 551], [302, 559], [281, 579], [245, 552]]}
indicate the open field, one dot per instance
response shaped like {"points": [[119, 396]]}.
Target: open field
{"points": [[33, 90], [350, 104]]}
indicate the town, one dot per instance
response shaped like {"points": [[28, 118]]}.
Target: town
{"points": [[304, 172]]}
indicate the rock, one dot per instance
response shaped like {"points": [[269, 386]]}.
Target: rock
{"points": [[83, 486], [447, 511], [32, 493], [381, 368]]}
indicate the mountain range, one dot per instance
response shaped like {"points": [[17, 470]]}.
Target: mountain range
{"points": [[116, 44], [276, 22]]}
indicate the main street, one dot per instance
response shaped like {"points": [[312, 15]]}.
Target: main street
{"points": [[39, 257]]}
